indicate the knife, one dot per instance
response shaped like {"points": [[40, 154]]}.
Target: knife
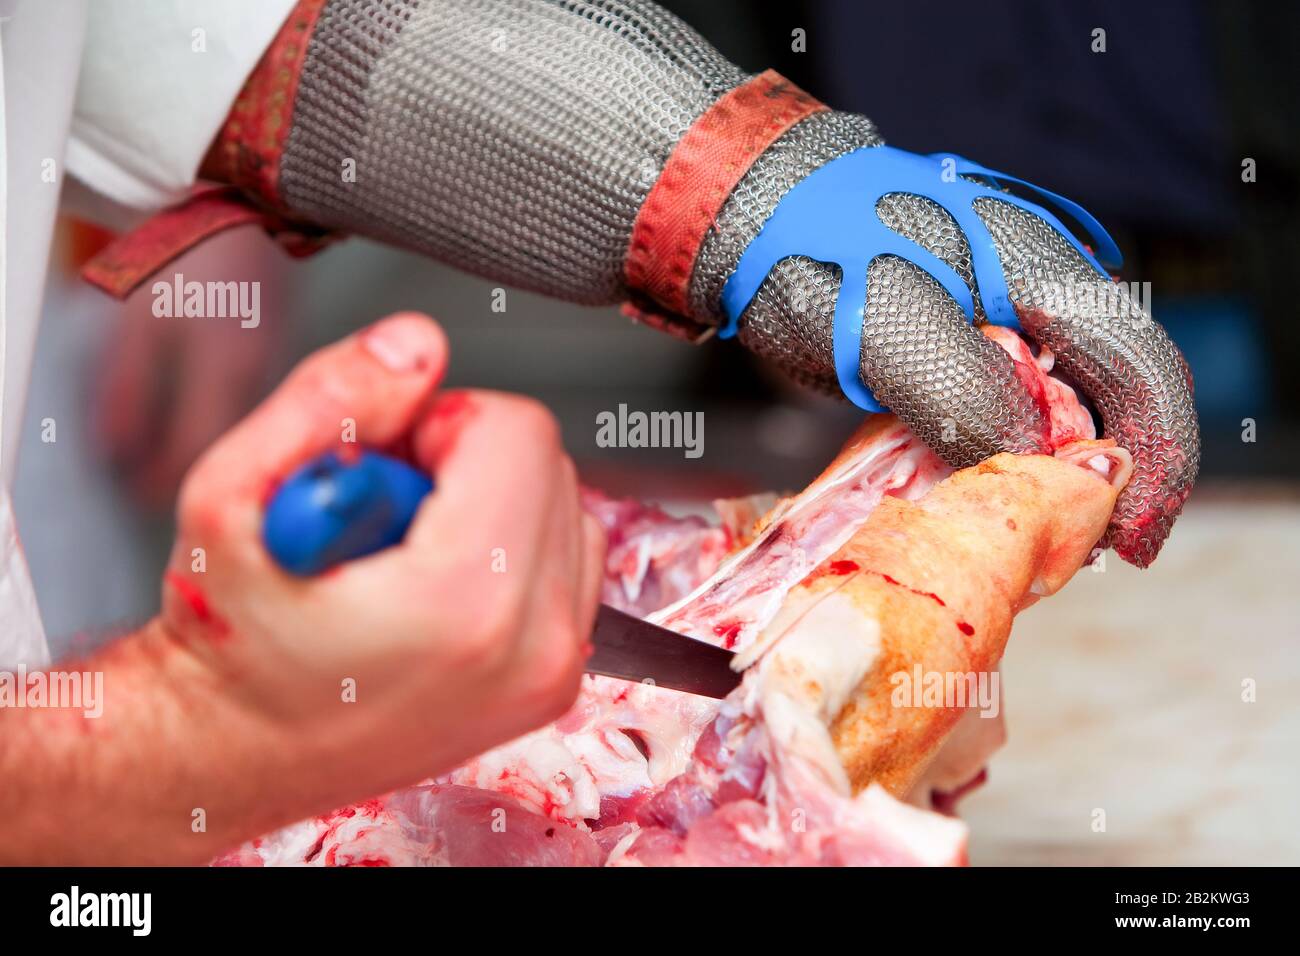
{"points": [[331, 510], [632, 649]]}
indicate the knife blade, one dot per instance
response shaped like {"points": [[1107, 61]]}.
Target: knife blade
{"points": [[632, 649]]}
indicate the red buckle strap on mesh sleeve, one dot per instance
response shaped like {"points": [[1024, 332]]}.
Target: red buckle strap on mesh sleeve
{"points": [[700, 174], [247, 151], [245, 154], [125, 263]]}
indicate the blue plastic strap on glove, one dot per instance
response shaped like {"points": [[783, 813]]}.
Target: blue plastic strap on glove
{"points": [[830, 216]]}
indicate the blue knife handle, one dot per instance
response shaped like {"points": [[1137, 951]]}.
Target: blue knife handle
{"points": [[331, 510]]}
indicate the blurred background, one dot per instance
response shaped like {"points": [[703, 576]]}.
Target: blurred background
{"points": [[1150, 136]]}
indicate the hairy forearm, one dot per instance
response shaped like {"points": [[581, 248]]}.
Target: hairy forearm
{"points": [[173, 771]]}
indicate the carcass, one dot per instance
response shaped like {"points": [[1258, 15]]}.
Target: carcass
{"points": [[887, 565]]}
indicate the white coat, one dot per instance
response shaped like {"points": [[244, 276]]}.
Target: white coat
{"points": [[109, 105]]}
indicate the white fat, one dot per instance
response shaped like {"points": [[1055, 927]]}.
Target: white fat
{"points": [[788, 509], [634, 578], [767, 837], [568, 783], [291, 844], [608, 760], [818, 655], [565, 768], [798, 734]]}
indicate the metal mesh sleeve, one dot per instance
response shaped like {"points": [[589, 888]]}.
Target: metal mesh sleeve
{"points": [[513, 140]]}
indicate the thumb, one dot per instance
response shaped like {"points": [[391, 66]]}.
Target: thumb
{"points": [[372, 384]]}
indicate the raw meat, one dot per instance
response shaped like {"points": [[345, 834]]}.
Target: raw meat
{"points": [[653, 558], [886, 563]]}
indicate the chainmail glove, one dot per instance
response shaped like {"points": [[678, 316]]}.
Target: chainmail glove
{"points": [[601, 151]]}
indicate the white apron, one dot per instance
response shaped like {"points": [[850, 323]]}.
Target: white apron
{"points": [[40, 48], [147, 106]]}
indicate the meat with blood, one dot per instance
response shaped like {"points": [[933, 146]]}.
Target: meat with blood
{"points": [[816, 600]]}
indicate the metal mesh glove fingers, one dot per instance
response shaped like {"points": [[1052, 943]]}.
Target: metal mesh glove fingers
{"points": [[953, 387], [957, 390], [1122, 359]]}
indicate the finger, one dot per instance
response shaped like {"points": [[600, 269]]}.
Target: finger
{"points": [[376, 382], [565, 578], [476, 547], [1122, 359], [569, 525], [497, 462], [503, 485], [919, 354], [957, 391]]}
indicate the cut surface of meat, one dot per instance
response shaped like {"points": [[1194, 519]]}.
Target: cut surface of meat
{"points": [[652, 557], [886, 569]]}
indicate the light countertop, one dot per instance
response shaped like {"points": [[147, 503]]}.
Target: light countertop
{"points": [[1124, 693]]}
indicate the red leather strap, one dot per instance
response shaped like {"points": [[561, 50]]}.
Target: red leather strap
{"points": [[130, 259], [245, 154], [700, 174]]}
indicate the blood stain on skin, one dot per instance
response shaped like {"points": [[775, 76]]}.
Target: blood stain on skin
{"points": [[269, 489], [449, 415], [197, 602], [965, 628], [452, 403], [930, 594]]}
